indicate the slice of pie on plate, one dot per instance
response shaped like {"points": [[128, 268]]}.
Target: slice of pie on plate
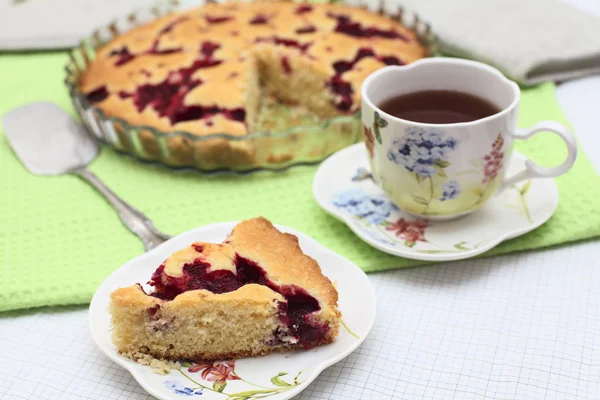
{"points": [[254, 294]]}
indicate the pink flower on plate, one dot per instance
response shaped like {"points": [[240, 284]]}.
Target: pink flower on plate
{"points": [[411, 231], [494, 161], [218, 371]]}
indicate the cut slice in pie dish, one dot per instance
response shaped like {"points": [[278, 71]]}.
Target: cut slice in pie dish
{"points": [[254, 294]]}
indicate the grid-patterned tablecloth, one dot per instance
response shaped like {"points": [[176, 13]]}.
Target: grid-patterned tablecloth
{"points": [[510, 327]]}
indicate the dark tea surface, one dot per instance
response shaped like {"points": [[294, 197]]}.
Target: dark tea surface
{"points": [[439, 107]]}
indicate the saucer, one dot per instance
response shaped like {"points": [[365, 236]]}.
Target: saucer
{"points": [[277, 376], [343, 182]]}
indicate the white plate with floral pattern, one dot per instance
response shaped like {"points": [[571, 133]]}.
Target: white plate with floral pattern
{"points": [[276, 376], [344, 188]]}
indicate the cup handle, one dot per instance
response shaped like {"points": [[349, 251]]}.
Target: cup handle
{"points": [[533, 170]]}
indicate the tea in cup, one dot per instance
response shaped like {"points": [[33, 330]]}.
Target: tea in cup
{"points": [[440, 132]]}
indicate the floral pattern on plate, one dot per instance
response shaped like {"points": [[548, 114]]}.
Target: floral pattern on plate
{"points": [[355, 198], [215, 376], [374, 212]]}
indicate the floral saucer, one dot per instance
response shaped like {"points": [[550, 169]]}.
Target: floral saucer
{"points": [[344, 188], [276, 376]]}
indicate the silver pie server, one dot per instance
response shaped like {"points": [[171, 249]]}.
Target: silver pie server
{"points": [[49, 142]]}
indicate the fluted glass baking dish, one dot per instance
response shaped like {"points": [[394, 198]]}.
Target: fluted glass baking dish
{"points": [[286, 138]]}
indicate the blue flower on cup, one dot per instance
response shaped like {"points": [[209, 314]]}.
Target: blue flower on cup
{"points": [[180, 389], [424, 152], [357, 202], [451, 190], [424, 170]]}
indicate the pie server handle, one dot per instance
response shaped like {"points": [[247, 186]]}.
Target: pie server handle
{"points": [[133, 219]]}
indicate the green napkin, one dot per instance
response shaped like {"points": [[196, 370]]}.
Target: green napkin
{"points": [[59, 239]]}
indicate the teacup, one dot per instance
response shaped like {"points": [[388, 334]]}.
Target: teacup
{"points": [[442, 171]]}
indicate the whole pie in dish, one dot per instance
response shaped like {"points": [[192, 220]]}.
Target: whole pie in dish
{"points": [[208, 70], [256, 293]]}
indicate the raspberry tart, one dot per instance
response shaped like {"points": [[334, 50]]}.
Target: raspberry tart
{"points": [[208, 70], [254, 294]]}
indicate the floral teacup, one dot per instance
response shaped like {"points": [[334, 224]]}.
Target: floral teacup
{"points": [[441, 171]]}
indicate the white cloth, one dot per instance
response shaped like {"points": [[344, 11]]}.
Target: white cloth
{"points": [[54, 24], [529, 40], [58, 24]]}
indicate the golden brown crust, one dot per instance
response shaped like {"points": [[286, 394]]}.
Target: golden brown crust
{"points": [[252, 294], [133, 296], [158, 49], [281, 256]]}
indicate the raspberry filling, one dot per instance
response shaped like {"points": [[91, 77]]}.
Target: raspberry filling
{"points": [[216, 20], [155, 50], [169, 27], [167, 97], [124, 55], [285, 64], [342, 88], [306, 29], [346, 26], [97, 95], [208, 48], [259, 19], [343, 66], [303, 47], [304, 8], [294, 313]]}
